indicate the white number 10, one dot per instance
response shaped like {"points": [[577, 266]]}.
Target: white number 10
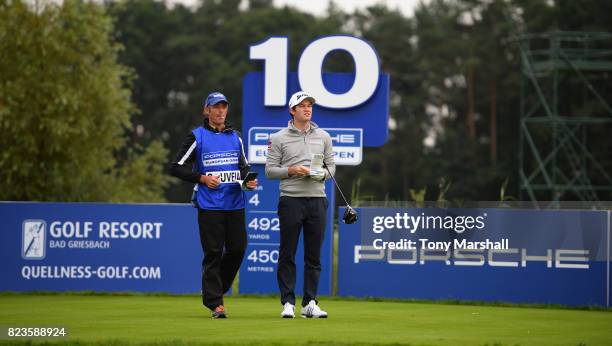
{"points": [[274, 52]]}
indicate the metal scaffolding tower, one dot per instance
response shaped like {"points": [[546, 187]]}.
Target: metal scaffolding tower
{"points": [[560, 108]]}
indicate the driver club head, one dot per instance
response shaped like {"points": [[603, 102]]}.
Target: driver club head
{"points": [[350, 215]]}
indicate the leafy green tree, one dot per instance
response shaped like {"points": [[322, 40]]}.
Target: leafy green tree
{"points": [[65, 109]]}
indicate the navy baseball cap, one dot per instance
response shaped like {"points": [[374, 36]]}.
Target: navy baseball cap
{"points": [[214, 98]]}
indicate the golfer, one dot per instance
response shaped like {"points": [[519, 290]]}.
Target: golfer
{"points": [[295, 156]]}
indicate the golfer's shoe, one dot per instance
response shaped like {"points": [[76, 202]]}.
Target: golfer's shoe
{"points": [[313, 310], [219, 312], [288, 310]]}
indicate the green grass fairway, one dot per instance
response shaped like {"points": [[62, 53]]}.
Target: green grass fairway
{"points": [[255, 320]]}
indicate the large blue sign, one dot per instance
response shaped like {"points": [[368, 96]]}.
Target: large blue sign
{"points": [[520, 256], [352, 107], [99, 247]]}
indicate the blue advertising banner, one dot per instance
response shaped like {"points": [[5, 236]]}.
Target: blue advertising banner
{"points": [[520, 256], [100, 247]]}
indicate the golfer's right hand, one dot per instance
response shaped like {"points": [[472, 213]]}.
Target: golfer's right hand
{"points": [[212, 181], [300, 171]]}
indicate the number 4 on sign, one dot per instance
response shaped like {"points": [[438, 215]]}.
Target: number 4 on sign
{"points": [[254, 200]]}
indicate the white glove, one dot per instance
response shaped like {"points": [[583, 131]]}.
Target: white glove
{"points": [[318, 176]]}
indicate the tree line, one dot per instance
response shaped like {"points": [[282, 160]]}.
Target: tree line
{"points": [[96, 98]]}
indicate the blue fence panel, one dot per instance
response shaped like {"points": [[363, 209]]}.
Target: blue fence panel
{"points": [[556, 257], [101, 247]]}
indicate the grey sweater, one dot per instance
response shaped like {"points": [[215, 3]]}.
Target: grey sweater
{"points": [[292, 147]]}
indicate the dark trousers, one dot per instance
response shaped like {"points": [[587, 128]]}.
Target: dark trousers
{"points": [[223, 239], [295, 213]]}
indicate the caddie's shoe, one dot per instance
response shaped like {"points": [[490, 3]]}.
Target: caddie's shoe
{"points": [[288, 310], [219, 312], [313, 310]]}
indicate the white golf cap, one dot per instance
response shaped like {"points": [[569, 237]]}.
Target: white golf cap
{"points": [[298, 97]]}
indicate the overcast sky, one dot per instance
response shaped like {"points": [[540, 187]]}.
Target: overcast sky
{"points": [[318, 7]]}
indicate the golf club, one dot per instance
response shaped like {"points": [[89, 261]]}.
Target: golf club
{"points": [[350, 215]]}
